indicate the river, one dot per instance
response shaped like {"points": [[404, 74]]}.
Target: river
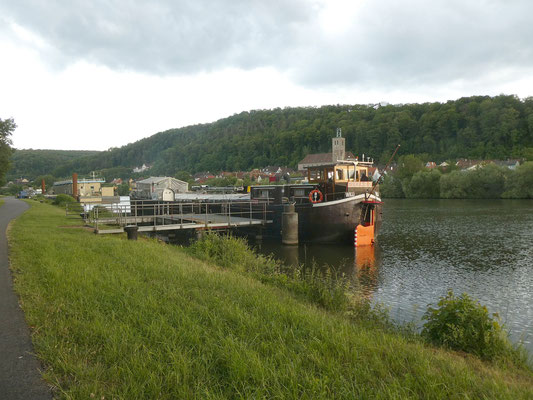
{"points": [[425, 247]]}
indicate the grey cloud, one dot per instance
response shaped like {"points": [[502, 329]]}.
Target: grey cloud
{"points": [[427, 42], [166, 36], [388, 43]]}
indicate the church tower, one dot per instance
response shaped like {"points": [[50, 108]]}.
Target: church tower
{"points": [[338, 147]]}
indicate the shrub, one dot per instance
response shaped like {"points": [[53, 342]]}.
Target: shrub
{"points": [[461, 323], [520, 183], [62, 199], [424, 185], [391, 187]]}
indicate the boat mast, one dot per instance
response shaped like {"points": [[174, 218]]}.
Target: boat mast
{"points": [[381, 176]]}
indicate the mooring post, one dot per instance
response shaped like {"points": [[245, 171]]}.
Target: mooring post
{"points": [[131, 230], [259, 236], [289, 225], [199, 234]]}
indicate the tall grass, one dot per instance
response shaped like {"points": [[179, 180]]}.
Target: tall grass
{"points": [[326, 288], [120, 319]]}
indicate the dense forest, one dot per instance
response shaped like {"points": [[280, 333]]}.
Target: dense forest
{"points": [[480, 127], [31, 163]]}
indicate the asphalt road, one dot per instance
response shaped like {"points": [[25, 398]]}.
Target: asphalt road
{"points": [[20, 376]]}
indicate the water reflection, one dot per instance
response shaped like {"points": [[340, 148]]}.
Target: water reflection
{"points": [[366, 269], [360, 265]]}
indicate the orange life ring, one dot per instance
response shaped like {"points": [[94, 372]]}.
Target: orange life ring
{"points": [[316, 196]]}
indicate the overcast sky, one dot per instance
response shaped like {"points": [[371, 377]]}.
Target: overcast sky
{"points": [[78, 74]]}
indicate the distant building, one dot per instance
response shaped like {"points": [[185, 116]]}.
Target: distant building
{"points": [[465, 164], [202, 177], [337, 153], [86, 187], [373, 173], [159, 188], [431, 164], [511, 164], [142, 168]]}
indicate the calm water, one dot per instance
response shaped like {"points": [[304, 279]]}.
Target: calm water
{"points": [[482, 247]]}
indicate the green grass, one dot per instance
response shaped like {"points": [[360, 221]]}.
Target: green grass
{"points": [[143, 320]]}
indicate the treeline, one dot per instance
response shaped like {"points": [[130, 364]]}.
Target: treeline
{"points": [[480, 127], [32, 163], [413, 180]]}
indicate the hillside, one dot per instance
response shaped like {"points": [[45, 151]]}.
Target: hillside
{"points": [[478, 127], [32, 163]]}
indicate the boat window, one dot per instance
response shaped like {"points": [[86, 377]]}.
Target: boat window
{"points": [[263, 194], [351, 174], [299, 192], [340, 175], [356, 175], [315, 174]]}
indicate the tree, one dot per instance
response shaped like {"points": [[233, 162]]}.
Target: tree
{"points": [[48, 181], [7, 127], [408, 166], [455, 185], [520, 183], [185, 177], [123, 189], [424, 185], [391, 187]]}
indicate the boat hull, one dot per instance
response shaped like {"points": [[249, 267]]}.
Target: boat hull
{"points": [[328, 222]]}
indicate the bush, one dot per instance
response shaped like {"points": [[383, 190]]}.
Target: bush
{"points": [[520, 183], [391, 187], [424, 185], [62, 199], [460, 323], [455, 185]]}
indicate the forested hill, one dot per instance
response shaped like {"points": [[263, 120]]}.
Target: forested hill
{"points": [[31, 163], [478, 127]]}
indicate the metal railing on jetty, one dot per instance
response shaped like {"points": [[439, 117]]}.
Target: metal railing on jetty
{"points": [[152, 216]]}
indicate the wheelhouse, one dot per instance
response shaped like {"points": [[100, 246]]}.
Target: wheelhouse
{"points": [[341, 179]]}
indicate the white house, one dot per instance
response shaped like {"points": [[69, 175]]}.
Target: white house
{"points": [[159, 188]]}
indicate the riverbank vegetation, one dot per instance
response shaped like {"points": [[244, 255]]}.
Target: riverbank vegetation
{"points": [[413, 180], [140, 319]]}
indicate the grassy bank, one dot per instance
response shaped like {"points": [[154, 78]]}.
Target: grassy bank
{"points": [[136, 320]]}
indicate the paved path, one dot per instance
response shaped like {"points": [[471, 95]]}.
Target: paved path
{"points": [[19, 369]]}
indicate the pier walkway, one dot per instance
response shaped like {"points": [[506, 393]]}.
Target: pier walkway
{"points": [[168, 216]]}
